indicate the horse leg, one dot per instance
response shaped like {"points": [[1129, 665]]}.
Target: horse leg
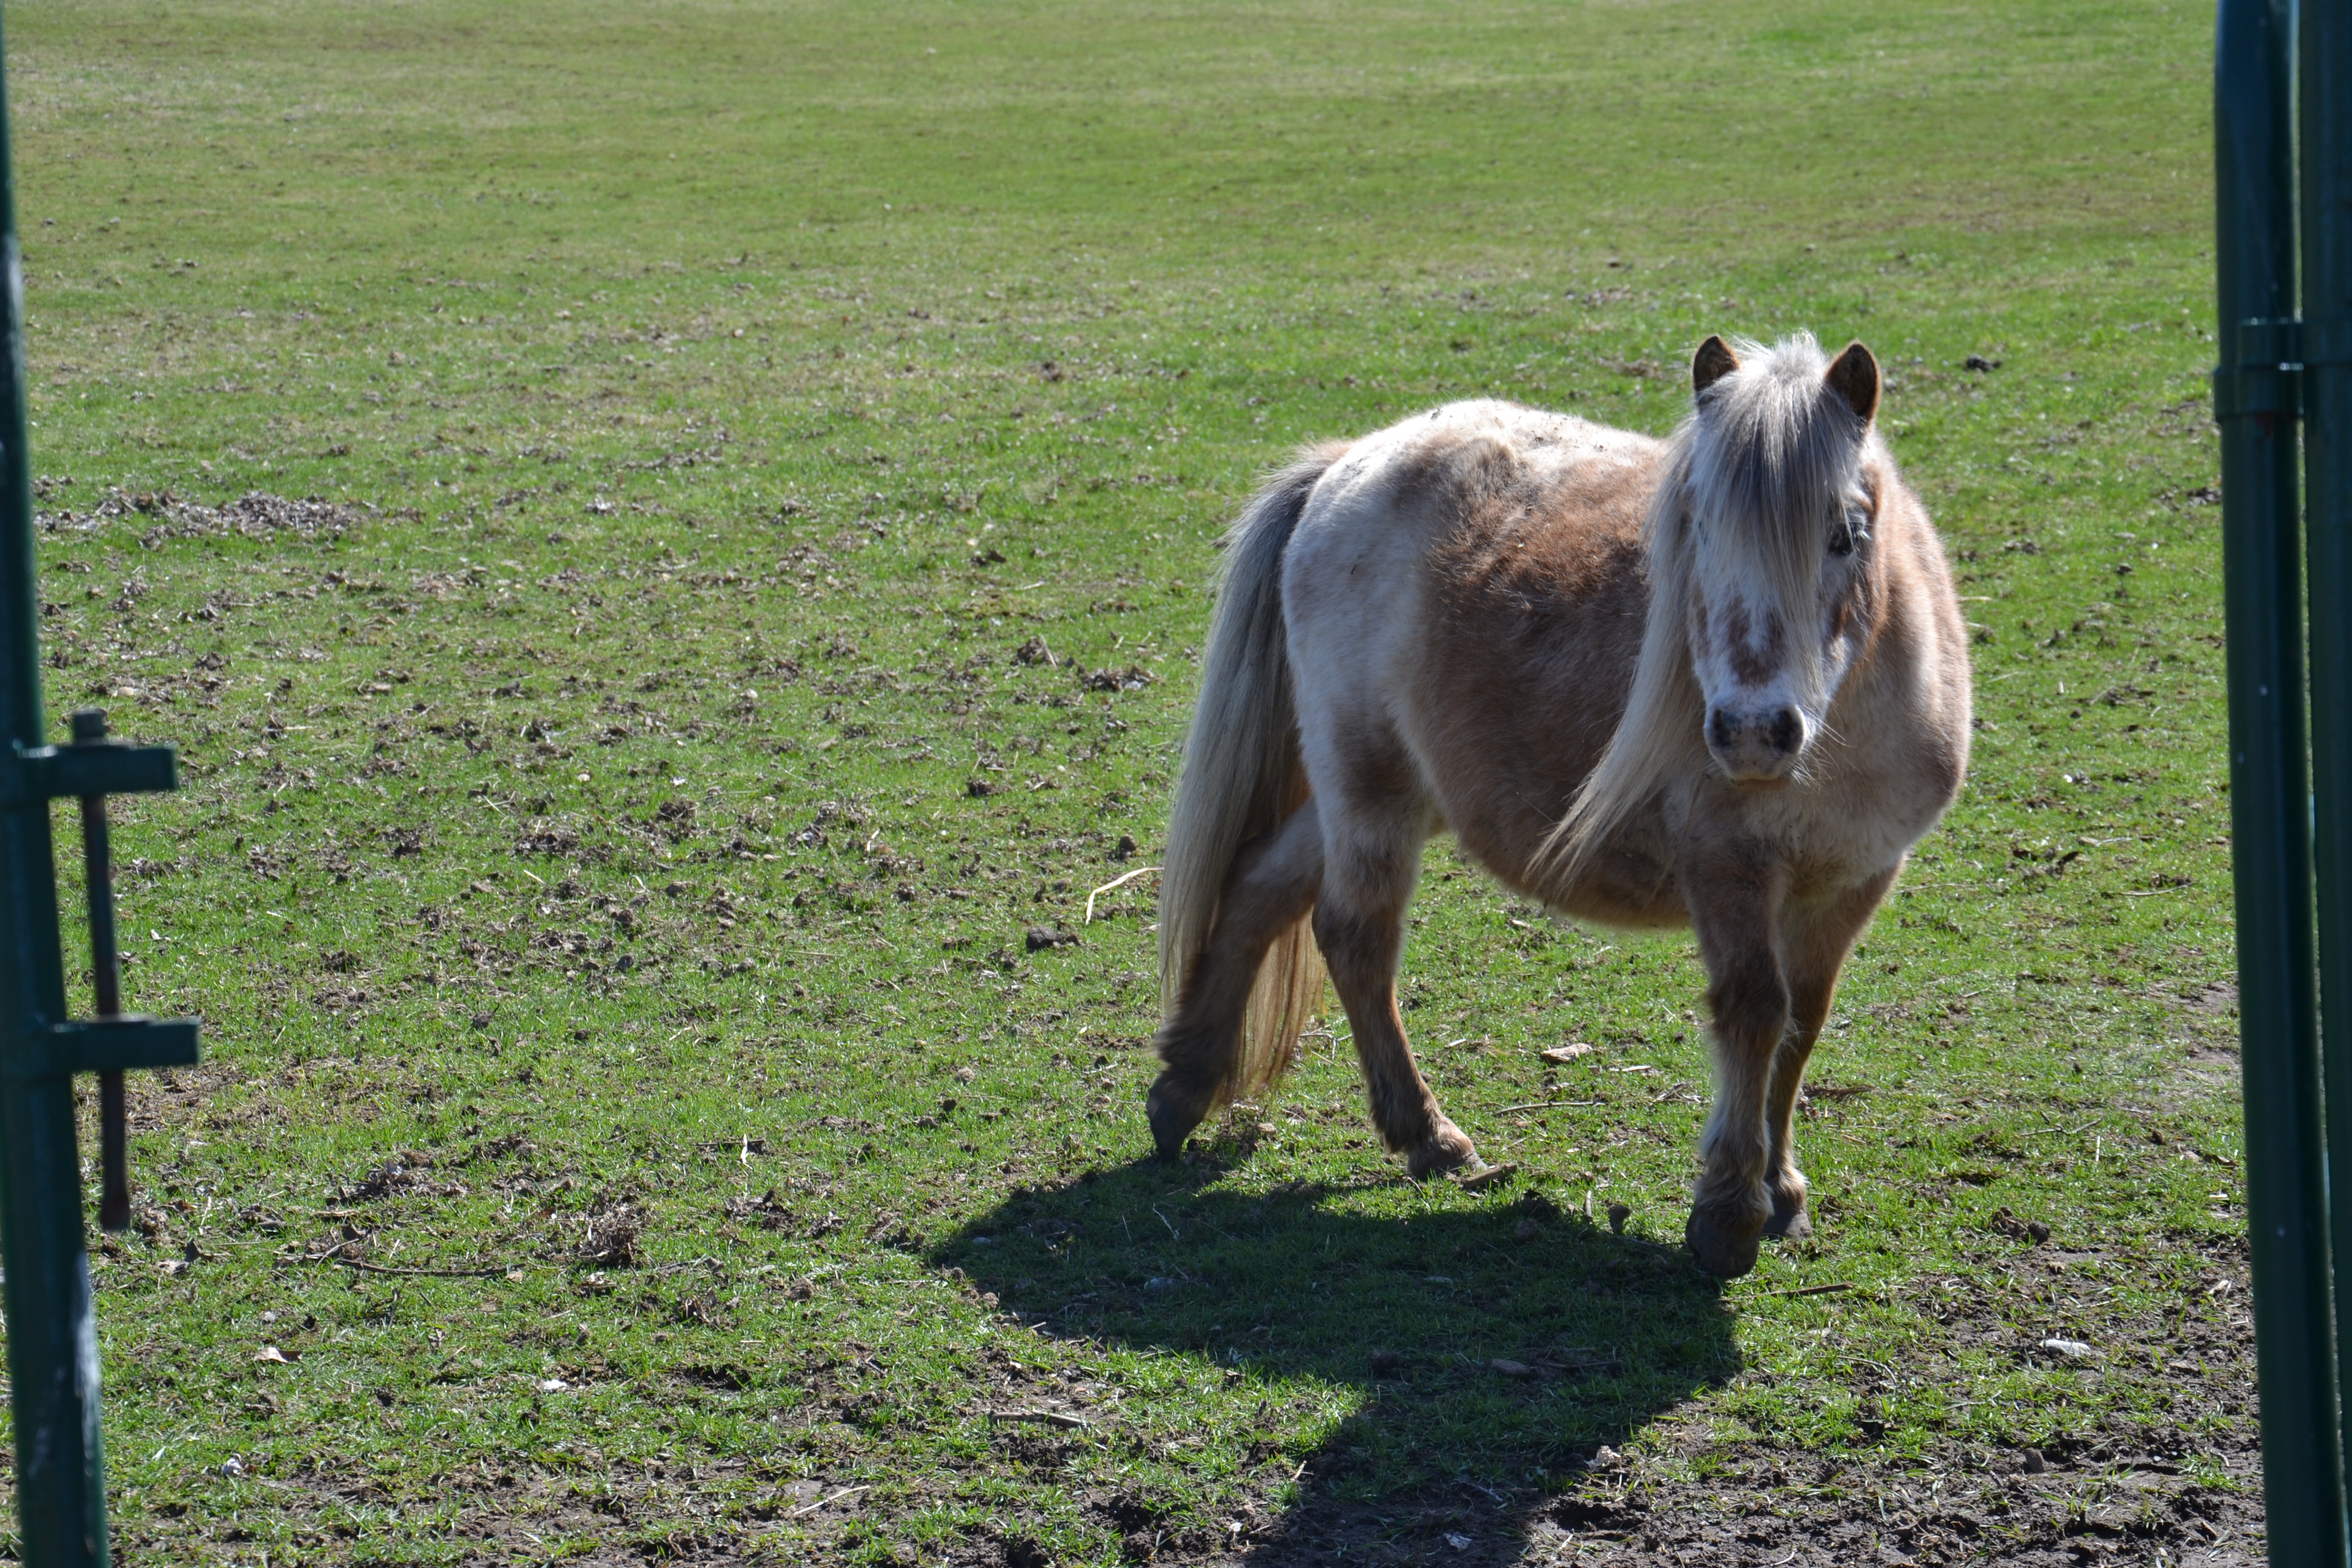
{"points": [[1732, 907], [1814, 941], [1369, 868], [1269, 889]]}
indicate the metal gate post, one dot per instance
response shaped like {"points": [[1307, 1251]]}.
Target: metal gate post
{"points": [[2324, 55], [60, 1480], [52, 1337], [2255, 402]]}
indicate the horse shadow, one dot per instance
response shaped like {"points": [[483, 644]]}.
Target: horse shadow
{"points": [[1492, 1349]]}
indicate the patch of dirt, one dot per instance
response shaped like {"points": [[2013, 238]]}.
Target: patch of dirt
{"points": [[165, 515], [2218, 999], [169, 1097], [506, 1512], [2123, 1492], [1775, 1509]]}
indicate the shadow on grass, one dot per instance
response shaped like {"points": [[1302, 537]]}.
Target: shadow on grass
{"points": [[1449, 1453]]}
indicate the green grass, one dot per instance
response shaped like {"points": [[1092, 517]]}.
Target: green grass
{"points": [[741, 432]]}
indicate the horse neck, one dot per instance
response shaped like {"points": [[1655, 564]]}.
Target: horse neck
{"points": [[1908, 583]]}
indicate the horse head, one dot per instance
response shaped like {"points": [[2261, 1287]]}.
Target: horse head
{"points": [[1775, 530]]}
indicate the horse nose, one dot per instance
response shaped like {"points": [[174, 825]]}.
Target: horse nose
{"points": [[1783, 732], [1757, 743]]}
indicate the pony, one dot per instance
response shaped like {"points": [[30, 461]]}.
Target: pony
{"points": [[1719, 680]]}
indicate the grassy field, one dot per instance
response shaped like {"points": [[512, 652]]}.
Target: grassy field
{"points": [[665, 1099]]}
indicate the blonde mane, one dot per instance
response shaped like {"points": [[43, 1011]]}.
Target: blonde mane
{"points": [[1752, 472]]}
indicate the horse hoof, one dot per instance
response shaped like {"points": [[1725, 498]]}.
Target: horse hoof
{"points": [[1170, 1123], [1789, 1222], [1723, 1253], [1445, 1149]]}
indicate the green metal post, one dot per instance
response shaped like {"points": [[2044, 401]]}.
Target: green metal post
{"points": [[52, 1335], [2324, 57], [2255, 402], [60, 1476]]}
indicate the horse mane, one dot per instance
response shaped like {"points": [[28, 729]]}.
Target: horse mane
{"points": [[1756, 465]]}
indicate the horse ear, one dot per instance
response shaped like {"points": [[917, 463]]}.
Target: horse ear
{"points": [[1713, 361], [1854, 375]]}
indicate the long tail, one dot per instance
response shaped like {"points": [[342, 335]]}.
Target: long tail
{"points": [[1242, 777]]}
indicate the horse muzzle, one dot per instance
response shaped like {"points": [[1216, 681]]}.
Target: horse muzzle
{"points": [[1758, 747]]}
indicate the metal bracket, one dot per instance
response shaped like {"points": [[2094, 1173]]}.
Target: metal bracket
{"points": [[128, 1042], [87, 768], [2268, 376], [2326, 342]]}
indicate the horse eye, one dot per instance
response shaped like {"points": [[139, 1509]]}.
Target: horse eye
{"points": [[1842, 540]]}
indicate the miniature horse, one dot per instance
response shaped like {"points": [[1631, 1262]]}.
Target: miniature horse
{"points": [[1719, 680]]}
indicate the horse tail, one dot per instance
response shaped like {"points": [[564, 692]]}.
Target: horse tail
{"points": [[1243, 775]]}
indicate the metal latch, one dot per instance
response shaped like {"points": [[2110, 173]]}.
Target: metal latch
{"points": [[93, 767]]}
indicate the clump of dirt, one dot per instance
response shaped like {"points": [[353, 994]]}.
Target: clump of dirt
{"points": [[768, 1211], [408, 1171], [549, 838], [612, 1233]]}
